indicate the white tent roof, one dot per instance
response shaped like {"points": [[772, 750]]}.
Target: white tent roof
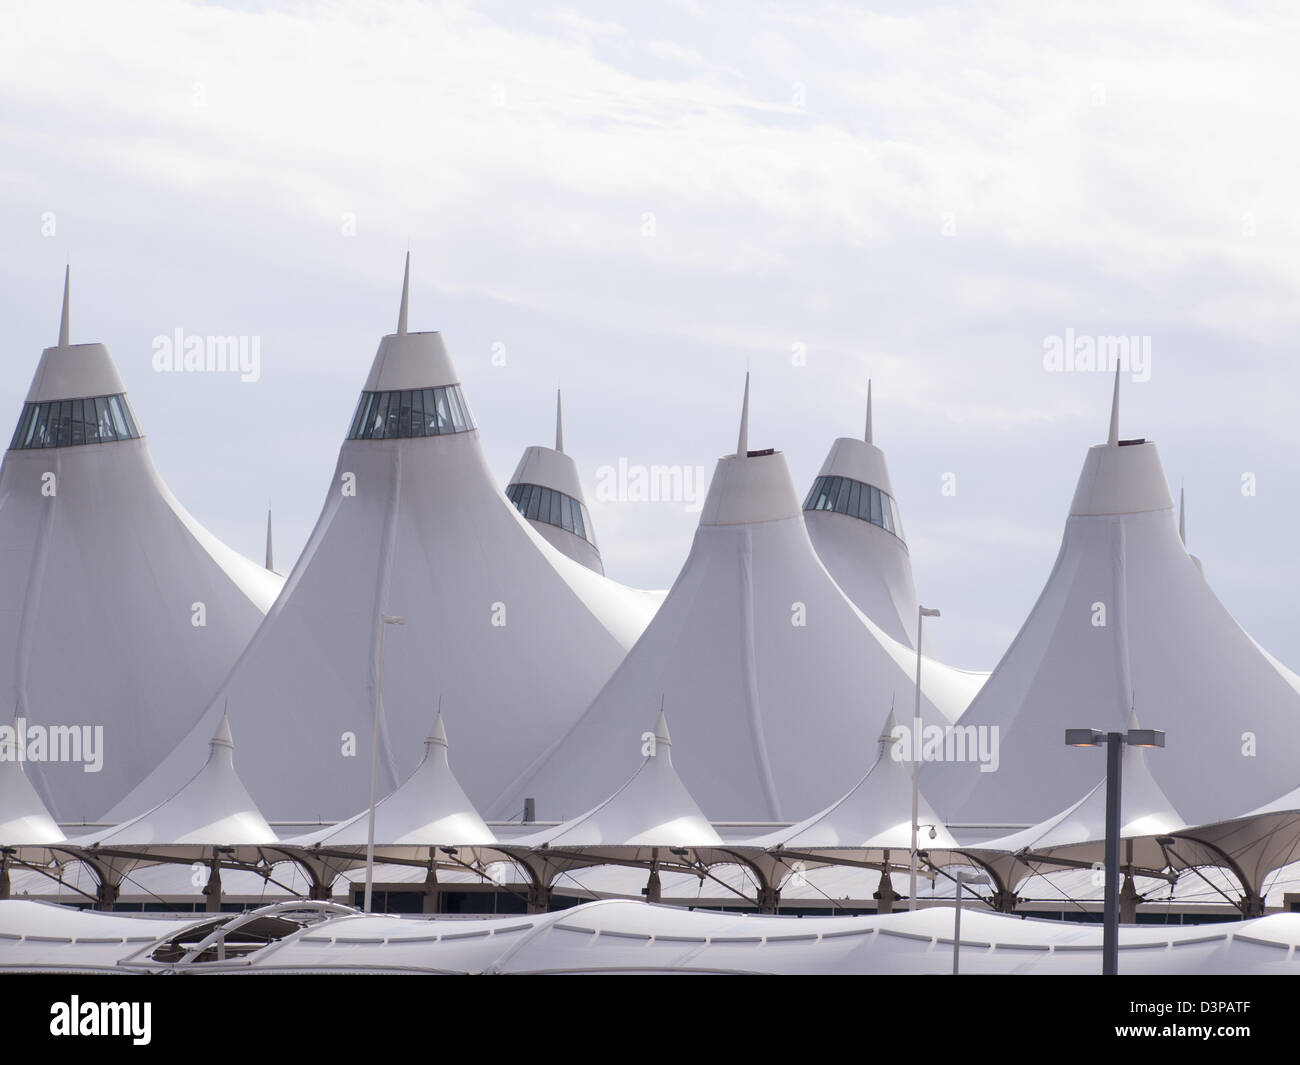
{"points": [[24, 820], [1078, 833], [104, 571], [213, 809], [497, 621], [871, 564], [767, 664], [429, 808], [1127, 621], [875, 814], [653, 809], [615, 936], [552, 468]]}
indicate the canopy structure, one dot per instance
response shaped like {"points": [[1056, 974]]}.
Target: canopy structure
{"points": [[428, 820], [1252, 846], [122, 612], [1077, 835], [650, 821], [870, 825], [496, 620], [546, 489], [765, 662], [617, 936], [1126, 621], [854, 525], [211, 818]]}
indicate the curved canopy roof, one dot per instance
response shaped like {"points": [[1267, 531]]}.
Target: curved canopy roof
{"points": [[868, 560], [560, 513], [1126, 621], [412, 526], [766, 660], [653, 809], [429, 809], [124, 613], [213, 809]]}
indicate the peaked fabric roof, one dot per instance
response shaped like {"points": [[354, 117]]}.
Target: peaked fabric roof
{"points": [[123, 611], [871, 564], [552, 468], [213, 809], [1080, 830], [1126, 621], [875, 814], [653, 809], [429, 808], [413, 526], [767, 660]]}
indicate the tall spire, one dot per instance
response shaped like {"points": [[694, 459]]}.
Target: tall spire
{"points": [[559, 423], [63, 320], [270, 555], [742, 445], [406, 291], [1182, 525], [1113, 440], [868, 436]]}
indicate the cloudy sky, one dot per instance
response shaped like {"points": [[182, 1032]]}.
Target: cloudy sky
{"points": [[640, 202]]}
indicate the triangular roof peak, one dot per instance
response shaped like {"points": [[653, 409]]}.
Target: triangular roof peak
{"points": [[73, 371], [407, 360]]}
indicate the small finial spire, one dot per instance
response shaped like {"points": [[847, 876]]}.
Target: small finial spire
{"points": [[438, 734], [662, 737], [1113, 440], [270, 554], [1182, 524], [406, 292], [63, 320], [223, 738], [559, 423], [868, 436], [742, 445], [887, 737]]}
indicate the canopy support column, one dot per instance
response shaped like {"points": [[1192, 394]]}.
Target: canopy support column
{"points": [[1128, 901], [106, 897], [1004, 901], [539, 897], [885, 889], [769, 898], [1251, 905], [432, 892], [213, 888], [652, 890]]}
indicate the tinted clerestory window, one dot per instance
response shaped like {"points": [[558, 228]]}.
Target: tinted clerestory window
{"points": [[843, 495], [553, 508], [72, 422], [411, 412]]}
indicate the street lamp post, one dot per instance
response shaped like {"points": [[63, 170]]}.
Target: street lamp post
{"points": [[921, 614], [962, 880], [384, 621], [1115, 743]]}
